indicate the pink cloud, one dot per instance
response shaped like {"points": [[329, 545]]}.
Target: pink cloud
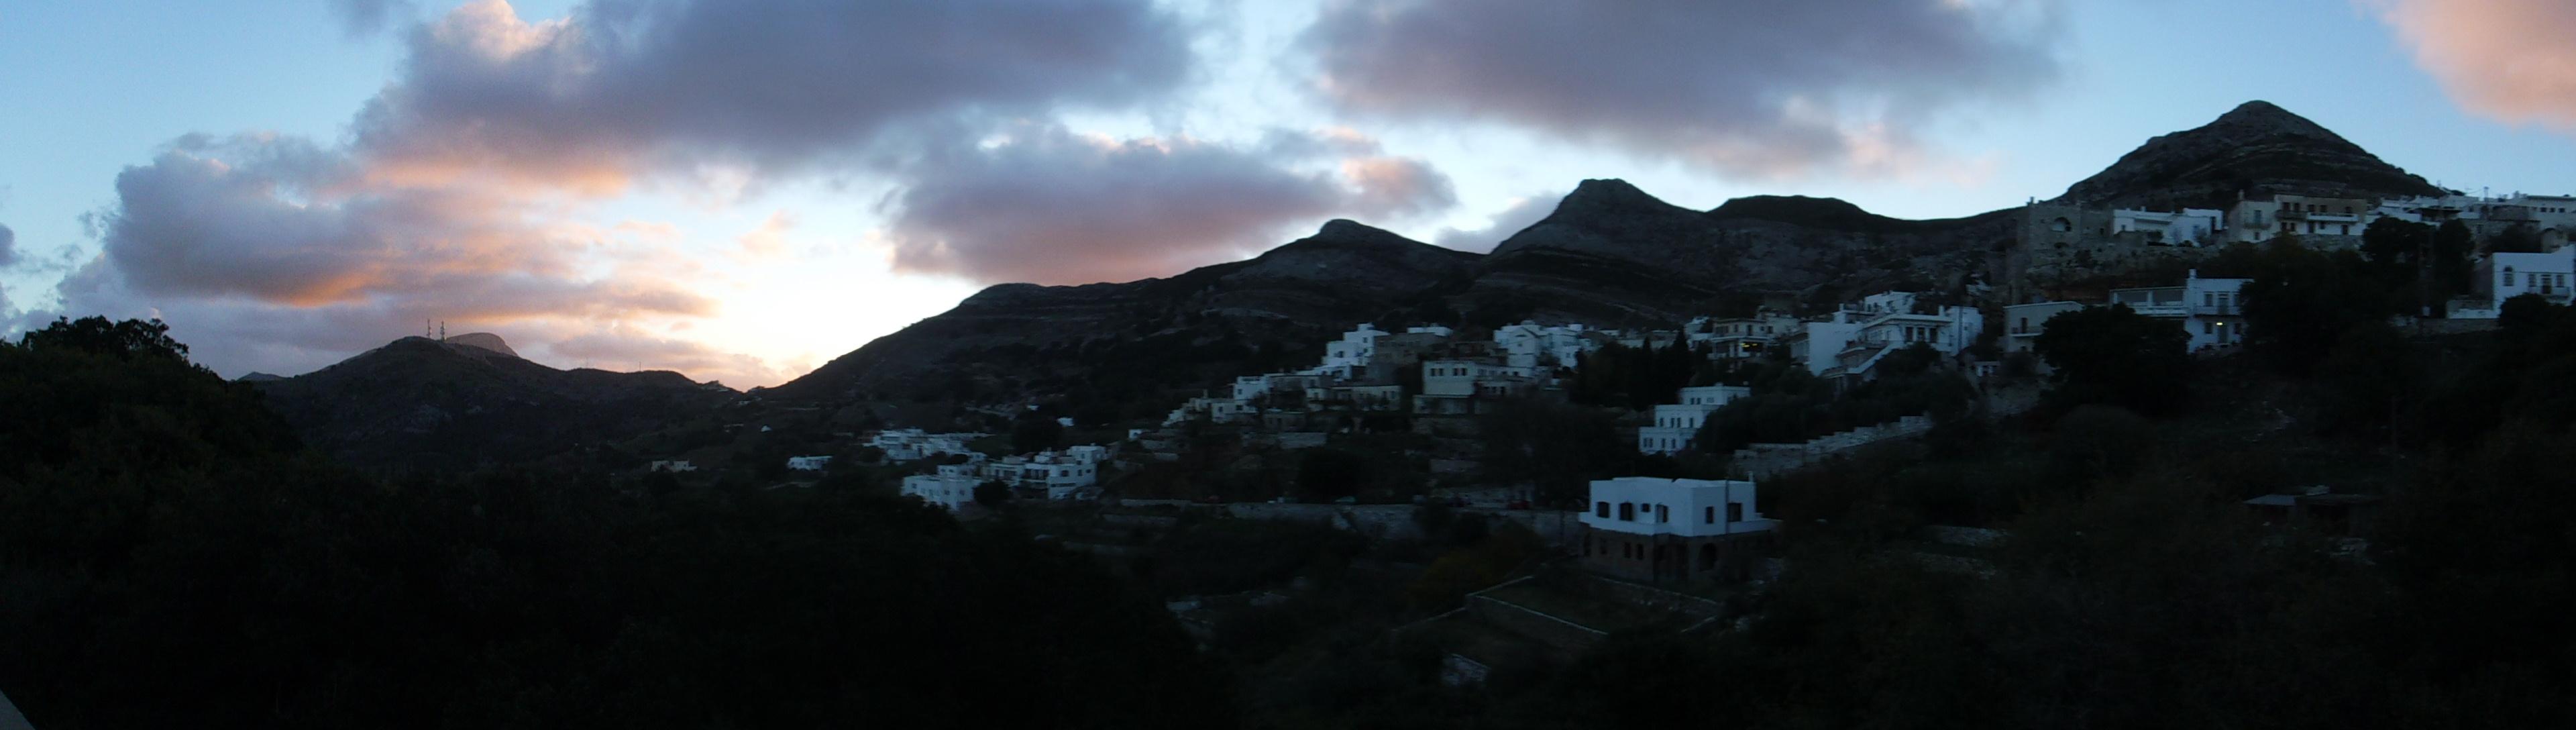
{"points": [[2506, 59]]}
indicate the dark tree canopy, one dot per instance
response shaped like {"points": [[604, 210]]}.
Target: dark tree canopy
{"points": [[2116, 356]]}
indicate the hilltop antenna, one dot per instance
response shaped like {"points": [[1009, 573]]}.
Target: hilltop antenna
{"points": [[424, 328], [442, 331]]}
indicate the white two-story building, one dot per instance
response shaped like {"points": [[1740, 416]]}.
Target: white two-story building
{"points": [[2212, 311], [1676, 424], [1673, 530]]}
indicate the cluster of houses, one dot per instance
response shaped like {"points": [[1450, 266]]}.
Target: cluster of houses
{"points": [[1072, 473], [1359, 374], [2259, 218]]}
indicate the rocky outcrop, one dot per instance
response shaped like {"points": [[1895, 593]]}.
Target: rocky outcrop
{"points": [[2255, 149], [483, 341]]}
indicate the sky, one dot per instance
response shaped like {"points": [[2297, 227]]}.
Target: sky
{"points": [[741, 192]]}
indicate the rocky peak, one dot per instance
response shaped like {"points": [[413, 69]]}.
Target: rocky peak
{"points": [[1608, 197], [2256, 149], [483, 341]]}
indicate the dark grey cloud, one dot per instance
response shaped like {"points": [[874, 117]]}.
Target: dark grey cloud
{"points": [[366, 17], [1051, 207], [1522, 213], [626, 84], [284, 222], [1756, 86], [8, 247]]}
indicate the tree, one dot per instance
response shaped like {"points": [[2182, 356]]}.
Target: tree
{"points": [[2305, 300], [2117, 356], [125, 340], [1035, 433], [993, 494]]}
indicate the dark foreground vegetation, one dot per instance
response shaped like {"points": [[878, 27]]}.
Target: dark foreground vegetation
{"points": [[170, 557]]}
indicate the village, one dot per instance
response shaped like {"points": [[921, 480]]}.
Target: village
{"points": [[1395, 419]]}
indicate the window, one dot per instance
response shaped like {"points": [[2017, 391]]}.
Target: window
{"points": [[1663, 513], [1735, 511], [1627, 512], [1709, 517], [1601, 510]]}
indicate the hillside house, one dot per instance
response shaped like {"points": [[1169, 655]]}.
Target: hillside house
{"points": [[911, 444], [951, 488], [1453, 387], [1729, 339], [1061, 474], [2211, 310], [1674, 530], [2503, 276], [808, 463], [1529, 345], [1892, 321], [1354, 348], [1676, 424], [673, 466], [2191, 227]]}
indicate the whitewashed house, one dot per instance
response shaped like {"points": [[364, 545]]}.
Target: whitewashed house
{"points": [[1673, 530], [912, 444], [2191, 227], [1530, 345], [953, 487], [808, 463], [2552, 275], [1676, 424], [675, 466], [1893, 321], [2212, 311], [1731, 339], [1354, 348]]}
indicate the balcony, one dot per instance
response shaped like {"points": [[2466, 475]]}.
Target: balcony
{"points": [[2218, 310]]}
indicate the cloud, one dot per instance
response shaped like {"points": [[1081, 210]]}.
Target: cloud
{"points": [[615, 88], [8, 247], [1048, 206], [1765, 87], [2505, 59], [362, 18], [769, 241], [1521, 213], [281, 221]]}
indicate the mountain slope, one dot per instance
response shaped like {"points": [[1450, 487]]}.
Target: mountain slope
{"points": [[1610, 251], [2256, 148], [1130, 340], [1609, 254], [422, 404]]}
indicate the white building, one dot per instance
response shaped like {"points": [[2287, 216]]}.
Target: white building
{"points": [[808, 463], [1676, 424], [1818, 345], [952, 487], [1892, 321], [2191, 227], [2211, 310], [2551, 275], [1354, 348], [1650, 529], [910, 444], [1061, 474], [675, 465], [1530, 345], [1729, 339], [1217, 410], [1468, 378]]}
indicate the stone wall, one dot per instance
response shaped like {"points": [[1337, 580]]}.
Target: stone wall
{"points": [[1760, 461]]}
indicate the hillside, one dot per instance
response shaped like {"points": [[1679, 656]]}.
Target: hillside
{"points": [[1128, 341], [422, 404]]}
